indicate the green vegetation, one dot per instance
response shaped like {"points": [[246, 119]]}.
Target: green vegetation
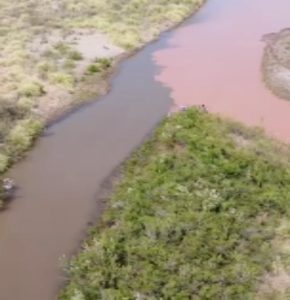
{"points": [[195, 216], [43, 55], [17, 130], [100, 65]]}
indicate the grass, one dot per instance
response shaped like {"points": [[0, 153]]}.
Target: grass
{"points": [[99, 66], [39, 59], [195, 216]]}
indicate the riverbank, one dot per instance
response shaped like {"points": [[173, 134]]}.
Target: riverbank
{"points": [[60, 54], [201, 210]]}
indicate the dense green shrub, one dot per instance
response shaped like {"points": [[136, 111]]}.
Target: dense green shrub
{"points": [[185, 221]]}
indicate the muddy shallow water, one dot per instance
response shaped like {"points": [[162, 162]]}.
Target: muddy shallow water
{"points": [[216, 60], [213, 59], [60, 179]]}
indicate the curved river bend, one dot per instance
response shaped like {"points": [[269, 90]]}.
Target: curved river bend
{"points": [[214, 59]]}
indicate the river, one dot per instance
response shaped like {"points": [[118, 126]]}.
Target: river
{"points": [[214, 59]]}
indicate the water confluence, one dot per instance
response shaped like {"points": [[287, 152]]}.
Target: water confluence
{"points": [[213, 59]]}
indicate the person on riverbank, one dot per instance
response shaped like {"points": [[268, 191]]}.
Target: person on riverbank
{"points": [[203, 108]]}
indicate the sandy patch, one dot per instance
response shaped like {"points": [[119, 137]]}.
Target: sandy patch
{"points": [[93, 45], [276, 284], [276, 63], [90, 44], [55, 99]]}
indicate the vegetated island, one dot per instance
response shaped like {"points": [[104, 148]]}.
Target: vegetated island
{"points": [[201, 212]]}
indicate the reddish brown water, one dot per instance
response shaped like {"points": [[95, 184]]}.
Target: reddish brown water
{"points": [[215, 60]]}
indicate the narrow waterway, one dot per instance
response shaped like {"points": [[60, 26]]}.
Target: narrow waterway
{"points": [[60, 179], [213, 59]]}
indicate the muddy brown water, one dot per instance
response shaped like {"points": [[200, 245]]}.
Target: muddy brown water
{"points": [[214, 58], [59, 181]]}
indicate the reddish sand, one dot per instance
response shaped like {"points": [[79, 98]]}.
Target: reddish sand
{"points": [[216, 61]]}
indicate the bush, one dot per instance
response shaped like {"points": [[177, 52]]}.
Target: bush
{"points": [[100, 65], [26, 103], [4, 161], [62, 79], [105, 63], [9, 112], [75, 55], [31, 89], [69, 64], [22, 135], [46, 67], [94, 68], [62, 48]]}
